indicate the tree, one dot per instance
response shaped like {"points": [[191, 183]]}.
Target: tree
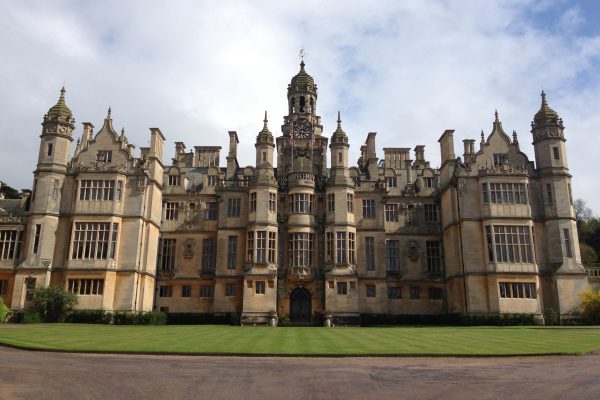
{"points": [[588, 254], [53, 303], [590, 307], [8, 192], [582, 212], [4, 311]]}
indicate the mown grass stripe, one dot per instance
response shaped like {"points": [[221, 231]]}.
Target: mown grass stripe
{"points": [[304, 340]]}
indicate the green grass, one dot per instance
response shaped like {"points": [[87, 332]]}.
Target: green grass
{"points": [[303, 341]]}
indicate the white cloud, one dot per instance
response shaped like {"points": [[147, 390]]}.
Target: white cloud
{"points": [[407, 70]]}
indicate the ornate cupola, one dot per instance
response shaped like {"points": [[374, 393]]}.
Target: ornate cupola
{"points": [[264, 146], [546, 123], [302, 94], [339, 137], [59, 119], [265, 136], [56, 137], [339, 153]]}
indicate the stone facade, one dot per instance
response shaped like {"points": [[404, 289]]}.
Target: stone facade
{"points": [[297, 236]]}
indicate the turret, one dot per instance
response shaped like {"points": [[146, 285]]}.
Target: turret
{"points": [[548, 139], [56, 137], [264, 146], [339, 152], [54, 155]]}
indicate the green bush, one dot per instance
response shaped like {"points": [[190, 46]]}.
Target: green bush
{"points": [[4, 311], [139, 318], [589, 310], [449, 319], [90, 317], [200, 319], [234, 318], [53, 303], [31, 316]]}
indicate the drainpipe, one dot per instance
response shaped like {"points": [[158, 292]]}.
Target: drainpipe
{"points": [[460, 239], [141, 244]]}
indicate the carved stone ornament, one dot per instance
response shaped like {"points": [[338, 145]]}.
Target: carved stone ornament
{"points": [[101, 166]]}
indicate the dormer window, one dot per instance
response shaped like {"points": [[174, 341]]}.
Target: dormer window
{"points": [[174, 180], [105, 156], [500, 159], [212, 180], [427, 182]]}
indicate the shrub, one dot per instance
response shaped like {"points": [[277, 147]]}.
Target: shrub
{"points": [[551, 317], [4, 311], [90, 317], [53, 303], [589, 310], [139, 318], [31, 316], [449, 319], [199, 319], [234, 318]]}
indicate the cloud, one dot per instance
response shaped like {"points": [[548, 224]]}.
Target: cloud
{"points": [[408, 70]]}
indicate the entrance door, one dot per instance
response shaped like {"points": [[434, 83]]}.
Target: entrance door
{"points": [[300, 309]]}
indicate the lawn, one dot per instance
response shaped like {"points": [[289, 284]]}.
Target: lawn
{"points": [[212, 339]]}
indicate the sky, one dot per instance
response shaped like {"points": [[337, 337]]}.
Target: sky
{"points": [[407, 70]]}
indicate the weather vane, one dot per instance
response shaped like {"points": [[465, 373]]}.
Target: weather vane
{"points": [[302, 53]]}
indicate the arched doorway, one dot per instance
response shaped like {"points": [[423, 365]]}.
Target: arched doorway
{"points": [[300, 307]]}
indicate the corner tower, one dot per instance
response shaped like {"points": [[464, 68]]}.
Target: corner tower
{"points": [[43, 224], [560, 260]]}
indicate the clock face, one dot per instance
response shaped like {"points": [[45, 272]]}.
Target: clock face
{"points": [[302, 130]]}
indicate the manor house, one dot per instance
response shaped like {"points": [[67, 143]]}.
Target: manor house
{"points": [[302, 232]]}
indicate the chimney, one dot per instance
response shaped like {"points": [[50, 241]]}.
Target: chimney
{"points": [[156, 143], [232, 163], [420, 153], [446, 142]]}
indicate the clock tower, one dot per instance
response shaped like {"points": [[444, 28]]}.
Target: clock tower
{"points": [[303, 149], [301, 176]]}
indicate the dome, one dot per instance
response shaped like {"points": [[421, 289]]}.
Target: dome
{"points": [[545, 112], [302, 80], [60, 111]]}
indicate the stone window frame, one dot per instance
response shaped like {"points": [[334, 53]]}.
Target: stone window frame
{"points": [[368, 209], [370, 291], [234, 206], [186, 291]]}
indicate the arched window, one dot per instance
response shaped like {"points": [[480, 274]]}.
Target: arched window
{"points": [[293, 104], [311, 107], [302, 104]]}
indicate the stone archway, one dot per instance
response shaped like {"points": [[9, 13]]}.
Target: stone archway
{"points": [[300, 305]]}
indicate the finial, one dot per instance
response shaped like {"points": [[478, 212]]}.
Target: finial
{"points": [[122, 130], [544, 103], [339, 120], [515, 136], [62, 91], [109, 112], [265, 127], [496, 116], [482, 137], [301, 54]]}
